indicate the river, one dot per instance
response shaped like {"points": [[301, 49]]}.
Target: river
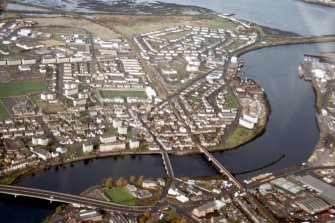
{"points": [[291, 129]]}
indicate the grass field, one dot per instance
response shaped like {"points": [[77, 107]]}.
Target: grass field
{"points": [[230, 101], [21, 88], [239, 136], [132, 25], [35, 98], [21, 98], [120, 196], [177, 35], [215, 22], [3, 112], [111, 131], [122, 93], [235, 44]]}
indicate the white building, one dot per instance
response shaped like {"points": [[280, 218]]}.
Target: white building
{"points": [[245, 123], [117, 123], [251, 118], [48, 96], [150, 184], [40, 140], [107, 139], [41, 153], [123, 130], [115, 146], [87, 147], [134, 143]]}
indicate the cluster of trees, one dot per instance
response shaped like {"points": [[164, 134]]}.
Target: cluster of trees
{"points": [[123, 182], [171, 218]]}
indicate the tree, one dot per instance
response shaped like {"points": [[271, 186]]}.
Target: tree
{"points": [[183, 220], [140, 181], [103, 181], [132, 179], [119, 182], [125, 182], [109, 182]]}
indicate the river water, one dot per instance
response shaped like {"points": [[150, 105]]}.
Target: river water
{"points": [[291, 129]]}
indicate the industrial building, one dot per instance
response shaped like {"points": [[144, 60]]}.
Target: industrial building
{"points": [[287, 186]]}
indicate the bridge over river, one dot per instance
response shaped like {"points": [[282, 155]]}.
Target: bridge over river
{"points": [[70, 199]]}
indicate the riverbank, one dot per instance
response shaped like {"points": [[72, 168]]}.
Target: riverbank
{"points": [[257, 133], [324, 148], [318, 2]]}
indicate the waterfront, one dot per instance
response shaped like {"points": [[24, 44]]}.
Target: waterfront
{"points": [[291, 131], [288, 15]]}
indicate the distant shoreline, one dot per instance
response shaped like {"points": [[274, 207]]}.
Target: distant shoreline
{"points": [[316, 2]]}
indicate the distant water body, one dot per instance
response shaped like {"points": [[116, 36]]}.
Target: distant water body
{"points": [[289, 15]]}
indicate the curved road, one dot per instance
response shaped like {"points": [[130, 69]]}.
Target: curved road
{"points": [[70, 199]]}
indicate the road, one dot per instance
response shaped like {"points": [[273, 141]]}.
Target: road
{"points": [[70, 199]]}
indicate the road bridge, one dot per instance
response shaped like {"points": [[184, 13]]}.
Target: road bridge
{"points": [[221, 168], [248, 196], [70, 199]]}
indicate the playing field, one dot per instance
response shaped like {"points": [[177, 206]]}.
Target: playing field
{"points": [[122, 93], [21, 88], [3, 112], [120, 195]]}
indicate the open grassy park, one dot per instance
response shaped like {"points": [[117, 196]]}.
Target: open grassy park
{"points": [[21, 88], [176, 35], [230, 101], [123, 93], [3, 112], [120, 195]]}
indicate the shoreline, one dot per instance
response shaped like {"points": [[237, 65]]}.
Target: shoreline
{"points": [[258, 45], [239, 53], [315, 2]]}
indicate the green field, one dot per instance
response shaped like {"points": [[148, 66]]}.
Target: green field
{"points": [[123, 93], [120, 196], [235, 44], [21, 98], [111, 131], [239, 136], [3, 112], [35, 98], [21, 88], [172, 36], [57, 37], [230, 101], [214, 22]]}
